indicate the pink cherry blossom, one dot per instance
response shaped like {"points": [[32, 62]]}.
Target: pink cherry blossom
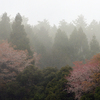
{"points": [[81, 78]]}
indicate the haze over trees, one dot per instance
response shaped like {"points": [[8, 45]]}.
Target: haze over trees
{"points": [[18, 35], [5, 27], [44, 39], [37, 61]]}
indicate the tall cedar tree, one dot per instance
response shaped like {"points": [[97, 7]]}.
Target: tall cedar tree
{"points": [[82, 45], [80, 22], [43, 37], [42, 45], [18, 37], [94, 46], [60, 49], [73, 41], [5, 28]]}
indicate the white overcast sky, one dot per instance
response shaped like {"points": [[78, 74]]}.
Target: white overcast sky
{"points": [[52, 10]]}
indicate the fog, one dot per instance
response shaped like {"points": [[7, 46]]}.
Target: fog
{"points": [[52, 10], [49, 50]]}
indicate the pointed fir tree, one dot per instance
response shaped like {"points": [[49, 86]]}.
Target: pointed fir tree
{"points": [[18, 37], [60, 50], [80, 22], [82, 45], [5, 28], [61, 41], [94, 46], [42, 45], [44, 38], [74, 48]]}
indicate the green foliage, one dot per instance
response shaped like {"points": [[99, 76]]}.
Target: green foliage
{"points": [[93, 95], [30, 76], [35, 84], [97, 93], [14, 90], [56, 88], [88, 96]]}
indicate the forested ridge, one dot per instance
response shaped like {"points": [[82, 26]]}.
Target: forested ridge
{"points": [[44, 62]]}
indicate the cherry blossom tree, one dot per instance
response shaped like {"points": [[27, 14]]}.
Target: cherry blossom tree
{"points": [[84, 77], [14, 61]]}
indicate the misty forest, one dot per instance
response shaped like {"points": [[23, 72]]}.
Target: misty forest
{"points": [[44, 62]]}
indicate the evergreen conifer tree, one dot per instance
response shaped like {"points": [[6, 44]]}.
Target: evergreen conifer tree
{"points": [[73, 41], [82, 45], [60, 49], [18, 37], [94, 46], [5, 28]]}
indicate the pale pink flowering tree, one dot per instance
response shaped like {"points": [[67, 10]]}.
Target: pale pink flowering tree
{"points": [[14, 60], [83, 77]]}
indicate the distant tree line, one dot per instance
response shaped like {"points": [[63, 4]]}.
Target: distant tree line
{"points": [[32, 60], [57, 47]]}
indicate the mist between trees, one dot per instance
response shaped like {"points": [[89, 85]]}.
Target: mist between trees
{"points": [[49, 49], [57, 46]]}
